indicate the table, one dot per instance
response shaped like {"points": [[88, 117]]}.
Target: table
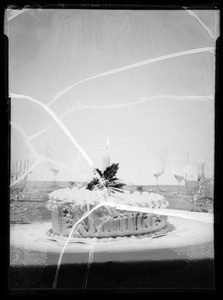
{"points": [[181, 258]]}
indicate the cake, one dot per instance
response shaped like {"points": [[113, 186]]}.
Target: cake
{"points": [[68, 206]]}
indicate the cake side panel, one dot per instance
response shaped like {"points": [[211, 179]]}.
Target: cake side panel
{"points": [[125, 224], [133, 225], [56, 221]]}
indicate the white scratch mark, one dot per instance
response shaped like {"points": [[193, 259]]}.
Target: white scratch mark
{"points": [[209, 31], [39, 158], [66, 131], [131, 66], [26, 173], [32, 149], [81, 106], [12, 13], [60, 123], [33, 136], [192, 98]]}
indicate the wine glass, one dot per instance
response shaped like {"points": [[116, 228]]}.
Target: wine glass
{"points": [[54, 152], [157, 159], [193, 179], [18, 168], [207, 182], [178, 164]]}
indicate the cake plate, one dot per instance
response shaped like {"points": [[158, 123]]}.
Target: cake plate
{"points": [[189, 231]]}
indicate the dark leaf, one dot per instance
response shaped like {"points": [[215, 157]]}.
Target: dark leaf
{"points": [[99, 172], [111, 171], [91, 185], [109, 178]]}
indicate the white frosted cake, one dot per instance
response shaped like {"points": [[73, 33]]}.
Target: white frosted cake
{"points": [[69, 205]]}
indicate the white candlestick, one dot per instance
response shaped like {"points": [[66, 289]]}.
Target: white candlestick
{"points": [[106, 156]]}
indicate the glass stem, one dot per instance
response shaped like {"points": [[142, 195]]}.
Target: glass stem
{"points": [[179, 187], [157, 183], [55, 178]]}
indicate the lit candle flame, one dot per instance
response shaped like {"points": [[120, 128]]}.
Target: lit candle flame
{"points": [[106, 156]]}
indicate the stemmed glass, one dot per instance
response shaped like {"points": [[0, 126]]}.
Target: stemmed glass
{"points": [[208, 185], [157, 159], [206, 182], [179, 161], [54, 152], [18, 168], [193, 177]]}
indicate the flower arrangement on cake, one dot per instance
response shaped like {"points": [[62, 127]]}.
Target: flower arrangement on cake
{"points": [[69, 205]]}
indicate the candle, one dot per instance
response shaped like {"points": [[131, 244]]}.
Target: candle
{"points": [[106, 156]]}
